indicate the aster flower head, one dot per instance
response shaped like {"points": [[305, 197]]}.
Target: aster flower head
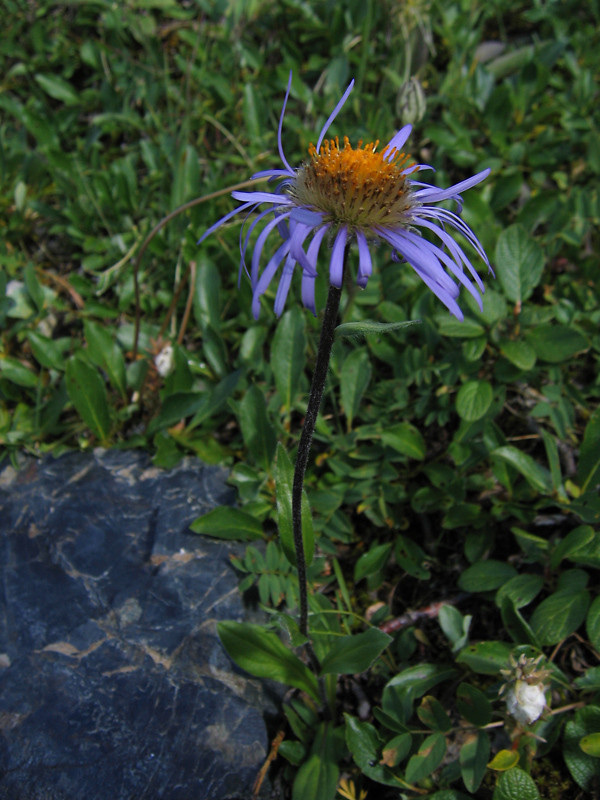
{"points": [[361, 195]]}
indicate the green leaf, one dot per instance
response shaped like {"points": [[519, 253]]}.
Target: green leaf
{"points": [[260, 652], [57, 88], [356, 653], [433, 715], [588, 471], [515, 625], [207, 296], [515, 784], [538, 477], [284, 486], [455, 626], [559, 615], [575, 540], [257, 431], [215, 399], [215, 351], [473, 758], [456, 329], [420, 679], [372, 561], [504, 759], [556, 343], [519, 353], [287, 355], [473, 400], [449, 794], [428, 758], [292, 751], [365, 328], [487, 658], [316, 779], [34, 289], [519, 263], [593, 624], [590, 744], [106, 353], [533, 546], [225, 522], [15, 372], [354, 380], [486, 576], [411, 558], [473, 705], [290, 625], [404, 438], [364, 743], [46, 351], [553, 460], [572, 580], [591, 679], [396, 750], [87, 393], [521, 589], [584, 768], [176, 407]]}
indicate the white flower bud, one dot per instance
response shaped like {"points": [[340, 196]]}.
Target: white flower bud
{"points": [[525, 701], [164, 361]]}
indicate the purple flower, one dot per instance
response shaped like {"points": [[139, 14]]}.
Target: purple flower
{"points": [[359, 196]]}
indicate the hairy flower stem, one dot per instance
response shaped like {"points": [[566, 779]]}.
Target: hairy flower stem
{"points": [[314, 401]]}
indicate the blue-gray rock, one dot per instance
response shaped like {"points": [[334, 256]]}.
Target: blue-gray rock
{"points": [[113, 684]]}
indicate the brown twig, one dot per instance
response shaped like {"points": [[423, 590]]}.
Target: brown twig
{"points": [[64, 284], [412, 617], [265, 767], [188, 306]]}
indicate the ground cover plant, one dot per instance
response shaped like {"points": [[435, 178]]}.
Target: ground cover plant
{"points": [[453, 479]]}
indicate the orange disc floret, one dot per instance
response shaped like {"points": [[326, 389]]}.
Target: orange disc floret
{"points": [[358, 187]]}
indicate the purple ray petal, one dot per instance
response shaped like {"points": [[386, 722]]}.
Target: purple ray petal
{"points": [[397, 142], [306, 217], [434, 195], [419, 168], [333, 115], [365, 267], [260, 243], [443, 215], [409, 245], [313, 248], [272, 173], [308, 293], [454, 267], [308, 277], [244, 247], [455, 250], [267, 275], [336, 263], [263, 197], [441, 292], [284, 285], [280, 128], [296, 240], [224, 219]]}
